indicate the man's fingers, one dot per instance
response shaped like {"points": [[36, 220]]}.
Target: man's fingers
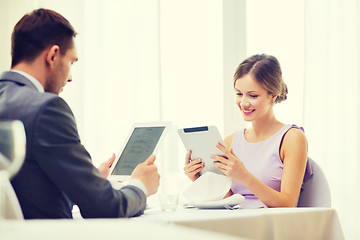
{"points": [[150, 160], [111, 160]]}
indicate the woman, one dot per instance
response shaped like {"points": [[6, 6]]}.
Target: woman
{"points": [[267, 162]]}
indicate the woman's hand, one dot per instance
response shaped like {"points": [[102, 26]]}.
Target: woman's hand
{"points": [[193, 167], [104, 168], [229, 164]]}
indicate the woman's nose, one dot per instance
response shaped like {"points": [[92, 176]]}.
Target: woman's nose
{"points": [[245, 104]]}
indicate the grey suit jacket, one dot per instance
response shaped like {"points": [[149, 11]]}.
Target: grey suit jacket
{"points": [[57, 171]]}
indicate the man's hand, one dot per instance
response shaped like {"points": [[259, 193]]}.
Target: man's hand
{"points": [[104, 168], [148, 174]]}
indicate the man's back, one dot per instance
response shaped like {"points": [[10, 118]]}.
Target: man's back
{"points": [[57, 167]]}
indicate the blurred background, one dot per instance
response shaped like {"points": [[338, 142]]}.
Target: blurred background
{"points": [[173, 60]]}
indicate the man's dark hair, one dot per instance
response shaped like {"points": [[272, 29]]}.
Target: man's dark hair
{"points": [[38, 30]]}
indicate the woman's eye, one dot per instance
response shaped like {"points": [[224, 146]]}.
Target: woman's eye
{"points": [[254, 96], [239, 94]]}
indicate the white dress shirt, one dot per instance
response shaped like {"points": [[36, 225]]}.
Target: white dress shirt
{"points": [[33, 80]]}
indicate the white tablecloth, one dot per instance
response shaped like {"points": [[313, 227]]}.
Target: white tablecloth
{"points": [[267, 223], [186, 224], [101, 229]]}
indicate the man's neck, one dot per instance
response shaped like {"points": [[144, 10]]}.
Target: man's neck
{"points": [[32, 69], [35, 82]]}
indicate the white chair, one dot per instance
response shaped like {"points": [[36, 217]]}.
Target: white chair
{"points": [[11, 206], [12, 154], [316, 190]]}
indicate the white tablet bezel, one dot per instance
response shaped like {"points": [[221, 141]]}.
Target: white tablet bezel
{"points": [[124, 178], [202, 143]]}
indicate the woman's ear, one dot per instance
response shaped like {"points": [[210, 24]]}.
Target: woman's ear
{"points": [[274, 97], [52, 55]]}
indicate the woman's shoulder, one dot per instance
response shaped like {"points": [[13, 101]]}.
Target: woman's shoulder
{"points": [[295, 131], [228, 140], [294, 145], [294, 135]]}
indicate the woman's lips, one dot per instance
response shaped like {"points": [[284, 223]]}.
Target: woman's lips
{"points": [[248, 111]]}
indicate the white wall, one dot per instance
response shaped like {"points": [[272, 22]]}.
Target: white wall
{"points": [[195, 78], [277, 28], [332, 60], [146, 60]]}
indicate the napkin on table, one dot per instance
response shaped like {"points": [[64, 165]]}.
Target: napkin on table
{"points": [[212, 188]]}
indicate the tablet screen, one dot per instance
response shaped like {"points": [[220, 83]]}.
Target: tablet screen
{"points": [[139, 147]]}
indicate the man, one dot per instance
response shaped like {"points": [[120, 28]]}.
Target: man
{"points": [[57, 171]]}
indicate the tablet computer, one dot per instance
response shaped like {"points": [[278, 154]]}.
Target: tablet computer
{"points": [[202, 142], [143, 140]]}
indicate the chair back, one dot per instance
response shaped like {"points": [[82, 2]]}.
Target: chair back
{"points": [[316, 190], [12, 146], [12, 155]]}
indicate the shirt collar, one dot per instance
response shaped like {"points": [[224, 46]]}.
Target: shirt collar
{"points": [[33, 80]]}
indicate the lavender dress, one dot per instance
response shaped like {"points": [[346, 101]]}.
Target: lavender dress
{"points": [[262, 159]]}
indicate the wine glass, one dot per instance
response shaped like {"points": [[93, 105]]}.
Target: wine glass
{"points": [[12, 154]]}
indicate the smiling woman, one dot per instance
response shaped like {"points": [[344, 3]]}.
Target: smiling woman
{"points": [[257, 79], [267, 161], [251, 96]]}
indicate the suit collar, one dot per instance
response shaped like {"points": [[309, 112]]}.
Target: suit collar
{"points": [[18, 78]]}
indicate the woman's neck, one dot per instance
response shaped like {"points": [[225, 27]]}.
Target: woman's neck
{"points": [[264, 128]]}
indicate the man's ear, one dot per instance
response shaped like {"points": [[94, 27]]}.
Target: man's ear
{"points": [[52, 55]]}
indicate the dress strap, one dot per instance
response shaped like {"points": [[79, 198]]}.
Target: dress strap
{"points": [[308, 170]]}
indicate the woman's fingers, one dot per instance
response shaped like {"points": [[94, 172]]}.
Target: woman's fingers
{"points": [[223, 167], [222, 159], [194, 169], [223, 149], [188, 157], [193, 163]]}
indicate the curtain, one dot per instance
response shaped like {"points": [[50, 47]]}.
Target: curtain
{"points": [[143, 60], [116, 80], [332, 101], [117, 76]]}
